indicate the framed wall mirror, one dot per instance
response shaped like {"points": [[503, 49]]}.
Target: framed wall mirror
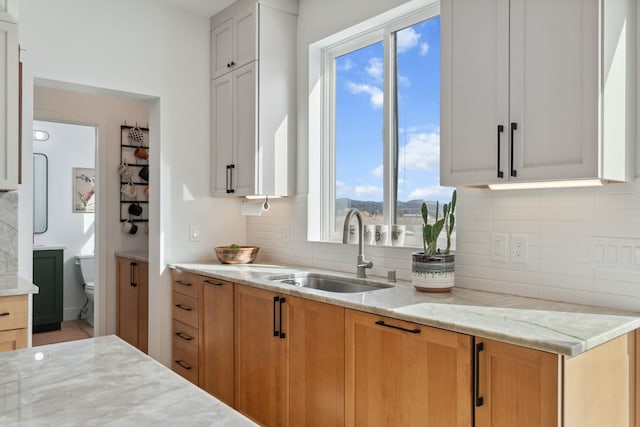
{"points": [[40, 193]]}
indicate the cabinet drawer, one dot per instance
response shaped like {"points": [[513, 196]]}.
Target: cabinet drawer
{"points": [[13, 340], [185, 337], [185, 364], [13, 312], [185, 309], [186, 283]]}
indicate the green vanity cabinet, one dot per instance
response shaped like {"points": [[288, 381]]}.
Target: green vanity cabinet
{"points": [[47, 303]]}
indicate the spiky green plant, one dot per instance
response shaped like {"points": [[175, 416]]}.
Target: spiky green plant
{"points": [[430, 232]]}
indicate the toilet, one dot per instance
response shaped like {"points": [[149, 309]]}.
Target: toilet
{"points": [[85, 263]]}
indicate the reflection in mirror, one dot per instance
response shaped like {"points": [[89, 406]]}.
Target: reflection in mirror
{"points": [[40, 193]]}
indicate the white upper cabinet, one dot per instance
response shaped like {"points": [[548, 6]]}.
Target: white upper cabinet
{"points": [[9, 10], [8, 106], [253, 104], [537, 91]]}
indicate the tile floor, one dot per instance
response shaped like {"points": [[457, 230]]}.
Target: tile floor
{"points": [[71, 330]]}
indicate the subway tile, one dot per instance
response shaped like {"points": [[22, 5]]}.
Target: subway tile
{"points": [[566, 295], [566, 281], [620, 302], [565, 268]]}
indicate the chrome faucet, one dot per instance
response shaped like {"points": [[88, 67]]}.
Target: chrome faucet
{"points": [[362, 263]]}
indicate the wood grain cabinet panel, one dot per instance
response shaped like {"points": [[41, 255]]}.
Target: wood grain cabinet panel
{"points": [[403, 374], [132, 323]]}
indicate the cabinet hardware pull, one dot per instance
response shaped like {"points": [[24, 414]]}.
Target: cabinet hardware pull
{"points": [[479, 400], [183, 365], [387, 325], [500, 130], [228, 64], [183, 307], [282, 301], [184, 336], [230, 169], [209, 282], [233, 63], [514, 126], [183, 283], [6, 313], [132, 272], [275, 331]]}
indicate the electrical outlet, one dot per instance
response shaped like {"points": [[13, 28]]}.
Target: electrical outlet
{"points": [[194, 233], [498, 247], [519, 248]]}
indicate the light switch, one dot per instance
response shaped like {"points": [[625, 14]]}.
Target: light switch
{"points": [[499, 247], [194, 232]]}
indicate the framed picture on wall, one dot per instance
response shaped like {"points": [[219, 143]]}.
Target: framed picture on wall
{"points": [[84, 191]]}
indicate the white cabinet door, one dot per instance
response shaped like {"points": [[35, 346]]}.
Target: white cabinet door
{"points": [[554, 89], [245, 42], [244, 126], [8, 106], [221, 133], [475, 90], [221, 48]]}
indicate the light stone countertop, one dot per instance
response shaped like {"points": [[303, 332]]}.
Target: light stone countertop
{"points": [[561, 328], [102, 382], [141, 256], [12, 284], [49, 247]]}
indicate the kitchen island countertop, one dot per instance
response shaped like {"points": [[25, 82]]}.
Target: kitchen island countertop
{"points": [[556, 327], [98, 382]]}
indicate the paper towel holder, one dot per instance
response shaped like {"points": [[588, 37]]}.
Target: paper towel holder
{"points": [[254, 208]]}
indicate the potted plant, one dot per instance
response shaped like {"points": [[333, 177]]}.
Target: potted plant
{"points": [[433, 269]]}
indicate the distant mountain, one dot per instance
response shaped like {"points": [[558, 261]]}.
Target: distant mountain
{"points": [[410, 208]]}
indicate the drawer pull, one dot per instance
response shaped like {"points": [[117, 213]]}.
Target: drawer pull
{"points": [[210, 282], [183, 365], [183, 307], [5, 314], [184, 336], [183, 283], [400, 328], [479, 401]]}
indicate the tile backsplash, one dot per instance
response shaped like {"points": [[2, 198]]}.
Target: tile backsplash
{"points": [[8, 232], [582, 245]]}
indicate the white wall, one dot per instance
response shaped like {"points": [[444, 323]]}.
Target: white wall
{"points": [[69, 146], [569, 230], [145, 47]]}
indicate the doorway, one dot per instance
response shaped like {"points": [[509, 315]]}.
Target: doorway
{"points": [[65, 214]]}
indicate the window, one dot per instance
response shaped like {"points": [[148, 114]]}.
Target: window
{"points": [[381, 123]]}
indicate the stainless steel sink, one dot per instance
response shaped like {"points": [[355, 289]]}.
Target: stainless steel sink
{"points": [[328, 283]]}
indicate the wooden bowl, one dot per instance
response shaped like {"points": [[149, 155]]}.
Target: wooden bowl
{"points": [[239, 255]]}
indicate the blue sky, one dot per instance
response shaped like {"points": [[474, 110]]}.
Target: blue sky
{"points": [[359, 106]]}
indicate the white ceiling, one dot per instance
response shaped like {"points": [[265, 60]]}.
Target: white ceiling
{"points": [[201, 7]]}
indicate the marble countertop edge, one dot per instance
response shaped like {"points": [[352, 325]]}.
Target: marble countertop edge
{"points": [[551, 326], [14, 284]]}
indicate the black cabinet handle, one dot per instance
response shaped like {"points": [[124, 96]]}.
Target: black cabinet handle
{"points": [[184, 336], [275, 331], [210, 282], [183, 365], [282, 301], [6, 313], [230, 169], [132, 272], [500, 130], [183, 283], [233, 63], [479, 400], [514, 126], [400, 328], [184, 307]]}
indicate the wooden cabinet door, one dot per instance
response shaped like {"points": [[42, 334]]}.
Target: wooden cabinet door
{"points": [[244, 129], [221, 133], [217, 364], [9, 106], [518, 386], [127, 323], [258, 355], [142, 271], [475, 91], [402, 374], [221, 48], [13, 339], [315, 363]]}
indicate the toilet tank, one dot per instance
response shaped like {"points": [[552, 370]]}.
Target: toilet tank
{"points": [[86, 267]]}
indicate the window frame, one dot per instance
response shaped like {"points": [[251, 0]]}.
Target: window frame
{"points": [[384, 32]]}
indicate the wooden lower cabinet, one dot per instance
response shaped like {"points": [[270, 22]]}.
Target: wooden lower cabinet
{"points": [[13, 339], [13, 322], [217, 352], [289, 356], [132, 324], [403, 374], [186, 312]]}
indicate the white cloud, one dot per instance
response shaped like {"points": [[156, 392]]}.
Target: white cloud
{"points": [[431, 193], [375, 68], [345, 64], [370, 191], [422, 152], [342, 189], [375, 93], [404, 81], [407, 39], [424, 48], [378, 172]]}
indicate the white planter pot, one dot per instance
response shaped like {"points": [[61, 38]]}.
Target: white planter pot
{"points": [[432, 273]]}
